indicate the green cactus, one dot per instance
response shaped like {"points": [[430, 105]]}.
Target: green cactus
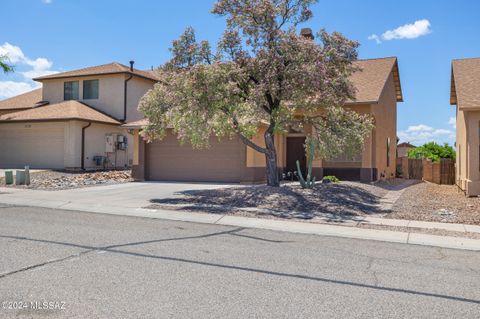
{"points": [[309, 181]]}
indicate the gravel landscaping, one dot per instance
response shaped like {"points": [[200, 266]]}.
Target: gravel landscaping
{"points": [[342, 199], [440, 203], [57, 180]]}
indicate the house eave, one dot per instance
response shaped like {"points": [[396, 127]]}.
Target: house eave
{"points": [[41, 79]]}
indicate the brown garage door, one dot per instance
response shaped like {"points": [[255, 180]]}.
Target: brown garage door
{"points": [[167, 160]]}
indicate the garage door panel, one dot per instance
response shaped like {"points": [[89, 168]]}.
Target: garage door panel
{"points": [[223, 161], [37, 147]]}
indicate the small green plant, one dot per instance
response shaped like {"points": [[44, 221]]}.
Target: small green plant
{"points": [[398, 171], [331, 178], [309, 181]]}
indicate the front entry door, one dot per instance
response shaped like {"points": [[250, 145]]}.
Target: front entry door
{"points": [[296, 151]]}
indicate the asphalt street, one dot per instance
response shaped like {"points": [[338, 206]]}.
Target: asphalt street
{"points": [[64, 264]]}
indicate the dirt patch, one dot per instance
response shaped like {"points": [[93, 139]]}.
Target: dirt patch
{"points": [[438, 203], [344, 198], [56, 180]]}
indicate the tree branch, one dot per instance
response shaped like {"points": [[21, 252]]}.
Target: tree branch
{"points": [[244, 139], [249, 143]]}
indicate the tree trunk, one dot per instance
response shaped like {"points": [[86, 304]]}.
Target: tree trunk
{"points": [[271, 159]]}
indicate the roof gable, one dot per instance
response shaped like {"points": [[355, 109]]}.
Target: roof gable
{"points": [[104, 69], [372, 77], [465, 83]]}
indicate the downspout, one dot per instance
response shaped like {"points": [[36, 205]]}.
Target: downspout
{"points": [[83, 144], [125, 98], [125, 92]]}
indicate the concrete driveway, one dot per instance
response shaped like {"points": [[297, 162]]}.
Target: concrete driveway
{"points": [[115, 199]]}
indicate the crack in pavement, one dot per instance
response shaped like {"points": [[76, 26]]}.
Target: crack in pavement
{"points": [[238, 268], [371, 260], [48, 262], [90, 249]]}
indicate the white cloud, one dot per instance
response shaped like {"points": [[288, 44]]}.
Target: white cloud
{"points": [[421, 134], [408, 31], [13, 52], [375, 37], [11, 88], [419, 128], [39, 66], [25, 67], [452, 122]]}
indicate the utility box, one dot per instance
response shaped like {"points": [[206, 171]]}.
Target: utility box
{"points": [[121, 142], [109, 144]]}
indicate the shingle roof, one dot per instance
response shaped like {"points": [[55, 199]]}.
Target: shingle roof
{"points": [[23, 101], [67, 110], [372, 77], [406, 144], [110, 68], [465, 83], [136, 124]]}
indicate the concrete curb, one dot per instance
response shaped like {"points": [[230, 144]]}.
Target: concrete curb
{"points": [[326, 217], [268, 224]]}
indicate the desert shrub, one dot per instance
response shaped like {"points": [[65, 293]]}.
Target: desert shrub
{"points": [[432, 151], [331, 178]]}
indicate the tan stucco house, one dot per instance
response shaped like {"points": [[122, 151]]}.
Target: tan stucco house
{"points": [[378, 91], [465, 94], [74, 121], [403, 148]]}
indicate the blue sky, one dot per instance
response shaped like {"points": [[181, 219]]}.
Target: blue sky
{"points": [[58, 35]]}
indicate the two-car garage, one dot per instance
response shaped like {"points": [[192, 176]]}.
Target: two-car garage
{"points": [[167, 160], [39, 145]]}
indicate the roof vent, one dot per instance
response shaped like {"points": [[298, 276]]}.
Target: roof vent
{"points": [[307, 33], [131, 65]]}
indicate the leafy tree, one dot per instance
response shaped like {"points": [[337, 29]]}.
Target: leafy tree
{"points": [[432, 151], [263, 74], [4, 65]]}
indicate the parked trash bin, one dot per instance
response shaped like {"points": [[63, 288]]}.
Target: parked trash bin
{"points": [[8, 177], [20, 177]]}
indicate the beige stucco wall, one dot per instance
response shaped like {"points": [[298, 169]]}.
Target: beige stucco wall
{"points": [[94, 145], [366, 160], [137, 87], [385, 113], [111, 93], [468, 151]]}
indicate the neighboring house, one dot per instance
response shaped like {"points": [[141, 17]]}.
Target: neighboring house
{"points": [[465, 94], [74, 121], [403, 148], [229, 160]]}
